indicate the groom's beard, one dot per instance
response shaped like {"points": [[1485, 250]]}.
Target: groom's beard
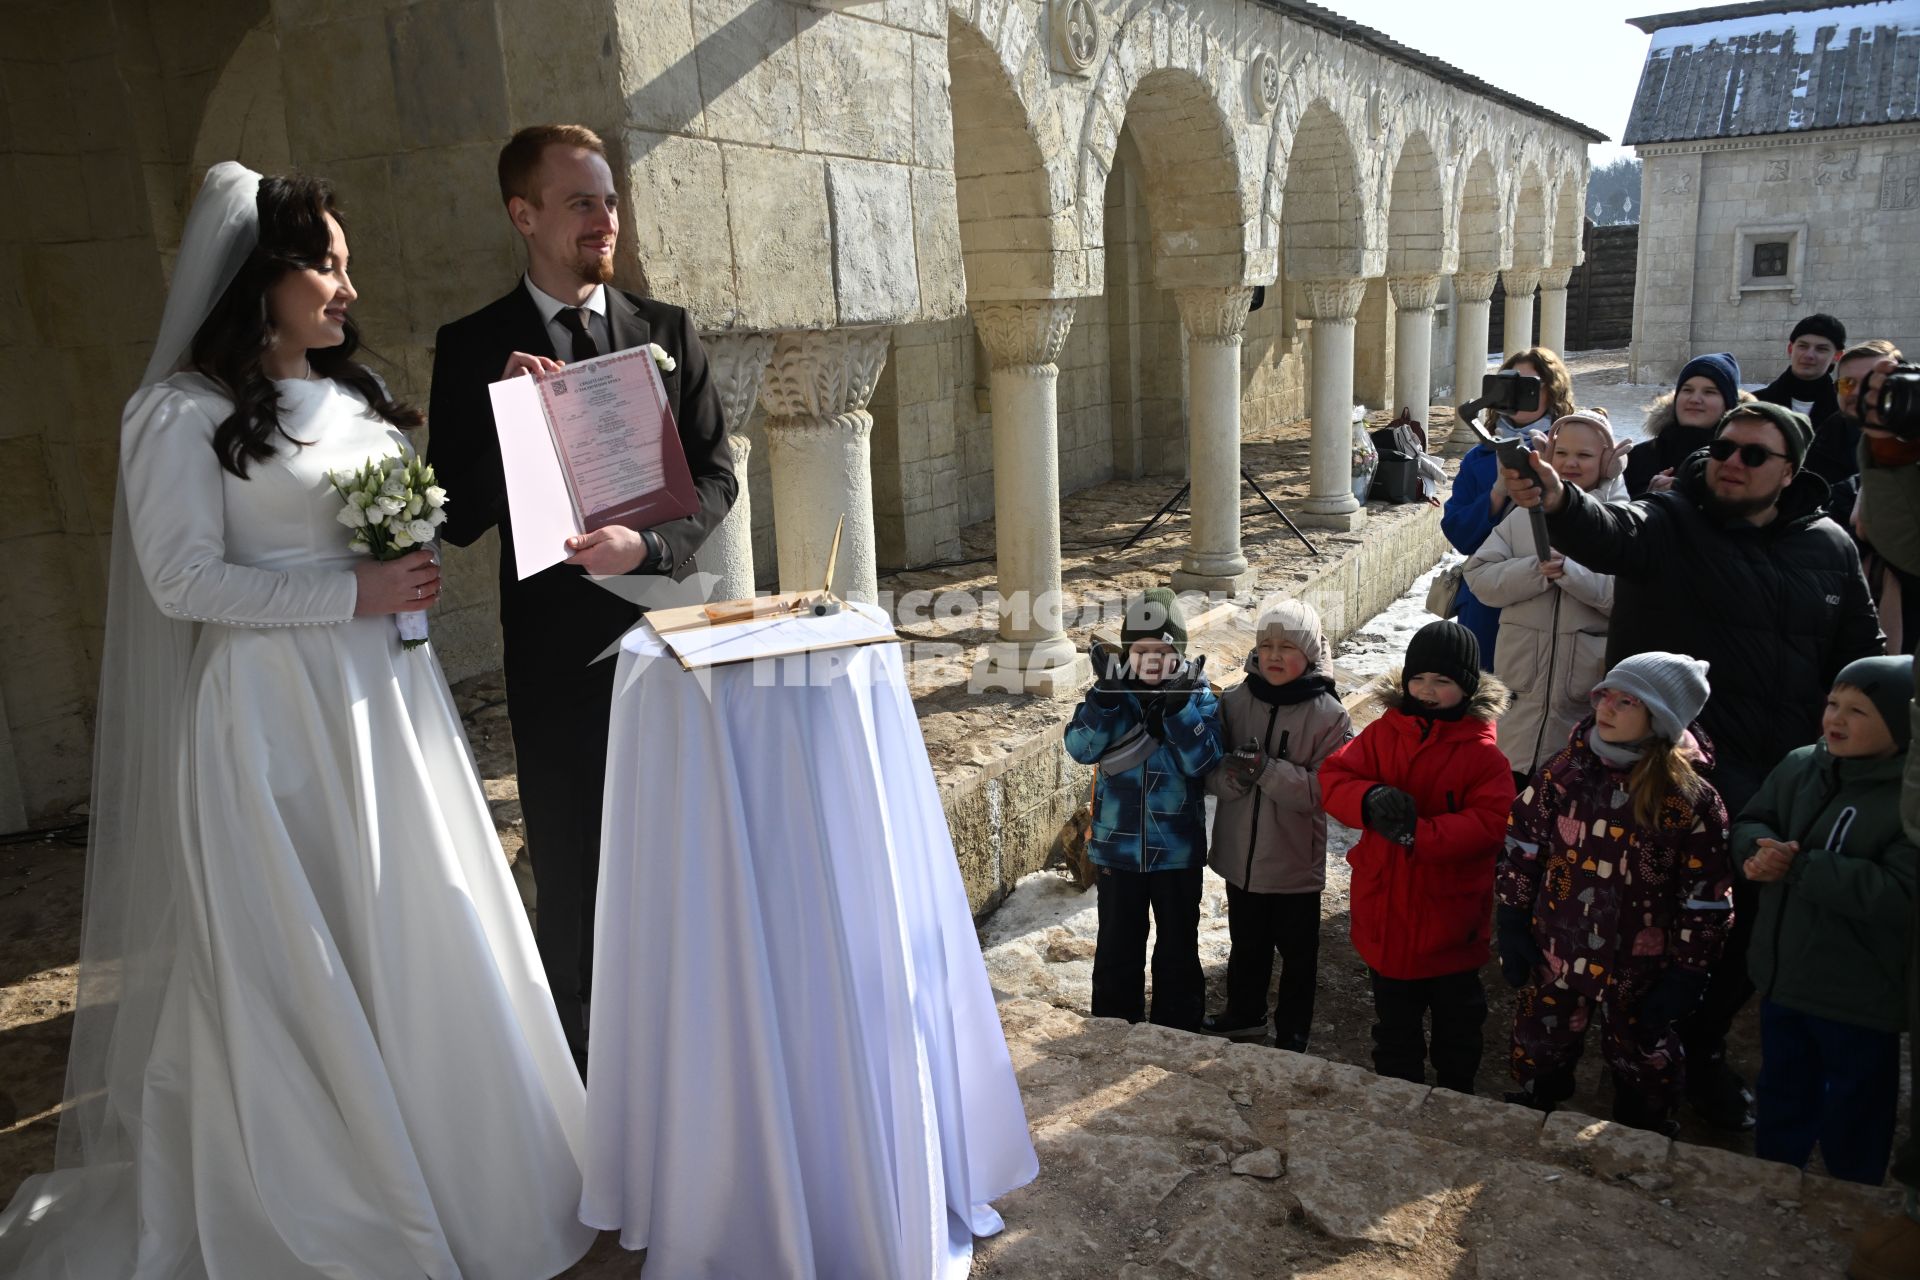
{"points": [[595, 268]]}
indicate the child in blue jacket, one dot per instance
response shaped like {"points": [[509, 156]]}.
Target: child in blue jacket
{"points": [[1150, 726]]}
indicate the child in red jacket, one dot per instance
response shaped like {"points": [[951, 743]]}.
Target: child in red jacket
{"points": [[1429, 786]]}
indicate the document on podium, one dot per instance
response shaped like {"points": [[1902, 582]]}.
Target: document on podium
{"points": [[592, 445]]}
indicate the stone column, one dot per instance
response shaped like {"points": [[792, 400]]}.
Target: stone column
{"points": [[1214, 320], [1520, 282], [1023, 341], [1472, 294], [819, 438], [1553, 308], [1413, 296], [737, 363], [1333, 305]]}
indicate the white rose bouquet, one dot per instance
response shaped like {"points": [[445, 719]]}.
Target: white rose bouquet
{"points": [[393, 506]]}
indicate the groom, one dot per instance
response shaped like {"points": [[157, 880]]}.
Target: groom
{"points": [[560, 196]]}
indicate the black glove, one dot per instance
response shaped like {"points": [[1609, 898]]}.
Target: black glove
{"points": [[1520, 955], [1246, 765], [1169, 696], [1390, 812], [1675, 994], [1109, 671]]}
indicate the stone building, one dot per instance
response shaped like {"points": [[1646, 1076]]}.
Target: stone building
{"points": [[956, 257], [1780, 175]]}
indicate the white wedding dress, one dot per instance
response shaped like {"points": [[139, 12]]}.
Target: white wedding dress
{"points": [[355, 1067]]}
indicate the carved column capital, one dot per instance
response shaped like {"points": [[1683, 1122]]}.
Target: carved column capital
{"points": [[1026, 335], [1474, 286], [1336, 299], [1521, 281], [1555, 278], [1215, 314], [737, 363], [1414, 293], [822, 375]]}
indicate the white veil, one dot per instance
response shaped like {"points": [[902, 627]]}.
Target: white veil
{"points": [[128, 934]]}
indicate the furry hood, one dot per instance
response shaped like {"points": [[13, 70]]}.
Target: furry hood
{"points": [[1489, 702], [1661, 414]]}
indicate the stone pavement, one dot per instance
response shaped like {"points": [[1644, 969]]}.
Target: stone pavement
{"points": [[1164, 1154]]}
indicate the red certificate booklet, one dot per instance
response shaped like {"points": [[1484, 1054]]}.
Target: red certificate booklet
{"points": [[618, 445]]}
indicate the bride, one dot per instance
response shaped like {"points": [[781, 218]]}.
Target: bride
{"points": [[313, 1036]]}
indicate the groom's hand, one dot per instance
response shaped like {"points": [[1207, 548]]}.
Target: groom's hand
{"points": [[608, 552], [520, 362]]}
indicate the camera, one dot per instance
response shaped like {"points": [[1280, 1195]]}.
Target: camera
{"points": [[1510, 392], [1896, 402]]}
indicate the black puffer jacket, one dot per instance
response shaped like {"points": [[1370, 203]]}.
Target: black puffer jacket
{"points": [[1776, 609]]}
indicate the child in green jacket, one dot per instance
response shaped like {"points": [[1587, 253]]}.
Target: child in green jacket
{"points": [[1823, 839]]}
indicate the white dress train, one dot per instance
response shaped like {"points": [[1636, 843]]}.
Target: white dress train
{"points": [[357, 1069]]}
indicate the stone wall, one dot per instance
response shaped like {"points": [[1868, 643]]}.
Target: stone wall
{"points": [[1848, 201]]}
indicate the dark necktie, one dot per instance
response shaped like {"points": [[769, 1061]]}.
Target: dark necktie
{"points": [[574, 321]]}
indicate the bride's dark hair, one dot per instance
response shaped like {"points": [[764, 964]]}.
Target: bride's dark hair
{"points": [[231, 342]]}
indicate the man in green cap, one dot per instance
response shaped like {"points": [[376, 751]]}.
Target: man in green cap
{"points": [[1150, 726], [1738, 565]]}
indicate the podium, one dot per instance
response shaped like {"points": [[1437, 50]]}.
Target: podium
{"points": [[795, 1068]]}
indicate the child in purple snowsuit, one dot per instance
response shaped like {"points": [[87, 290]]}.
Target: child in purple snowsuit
{"points": [[1615, 892]]}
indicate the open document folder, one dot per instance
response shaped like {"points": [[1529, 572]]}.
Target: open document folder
{"points": [[592, 445], [775, 631]]}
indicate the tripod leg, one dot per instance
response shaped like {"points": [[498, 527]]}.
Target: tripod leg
{"points": [[1165, 510], [1275, 508]]}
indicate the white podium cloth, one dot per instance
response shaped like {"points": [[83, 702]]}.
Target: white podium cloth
{"points": [[795, 1068]]}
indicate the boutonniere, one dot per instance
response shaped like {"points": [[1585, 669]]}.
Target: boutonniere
{"points": [[660, 357]]}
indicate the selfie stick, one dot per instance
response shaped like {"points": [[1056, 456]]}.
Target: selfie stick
{"points": [[1513, 456]]}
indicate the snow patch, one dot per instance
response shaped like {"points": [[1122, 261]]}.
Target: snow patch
{"points": [[1804, 28]]}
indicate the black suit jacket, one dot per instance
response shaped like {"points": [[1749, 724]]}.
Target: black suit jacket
{"points": [[556, 622]]}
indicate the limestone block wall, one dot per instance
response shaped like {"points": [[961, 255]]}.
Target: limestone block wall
{"points": [[1847, 200]]}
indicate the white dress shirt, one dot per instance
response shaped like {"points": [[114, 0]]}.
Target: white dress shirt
{"points": [[562, 337]]}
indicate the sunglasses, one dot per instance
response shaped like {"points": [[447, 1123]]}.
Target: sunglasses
{"points": [[1847, 385], [1604, 697], [1753, 455]]}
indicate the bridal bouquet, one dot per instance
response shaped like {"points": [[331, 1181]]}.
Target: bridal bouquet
{"points": [[393, 506]]}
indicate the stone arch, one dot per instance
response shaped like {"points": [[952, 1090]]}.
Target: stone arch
{"points": [[1167, 80], [246, 114], [1416, 211], [1531, 232], [1480, 221], [217, 48], [1324, 223], [1010, 228]]}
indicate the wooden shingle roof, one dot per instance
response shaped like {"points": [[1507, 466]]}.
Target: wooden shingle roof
{"points": [[1788, 67]]}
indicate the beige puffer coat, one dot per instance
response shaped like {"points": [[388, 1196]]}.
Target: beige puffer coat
{"points": [[1272, 837], [1553, 639]]}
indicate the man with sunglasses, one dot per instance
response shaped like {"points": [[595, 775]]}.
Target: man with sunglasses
{"points": [[1736, 564]]}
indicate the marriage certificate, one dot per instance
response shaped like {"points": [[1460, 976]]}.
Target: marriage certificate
{"points": [[592, 445]]}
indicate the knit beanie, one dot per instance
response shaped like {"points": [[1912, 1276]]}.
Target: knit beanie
{"points": [[1672, 686], [1721, 368], [1795, 430], [1888, 684], [1155, 614], [1299, 623], [1821, 325], [1592, 419], [1444, 648]]}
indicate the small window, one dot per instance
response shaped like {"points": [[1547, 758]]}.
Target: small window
{"points": [[1770, 258]]}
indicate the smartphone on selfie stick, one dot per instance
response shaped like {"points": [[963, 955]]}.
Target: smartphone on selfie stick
{"points": [[1509, 392]]}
